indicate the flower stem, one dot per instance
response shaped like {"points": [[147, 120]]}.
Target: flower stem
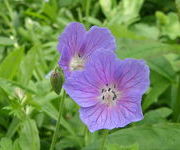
{"points": [[86, 136], [58, 121], [104, 139]]}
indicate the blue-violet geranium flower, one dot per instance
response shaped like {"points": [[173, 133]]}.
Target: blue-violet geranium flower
{"points": [[109, 90], [76, 45]]}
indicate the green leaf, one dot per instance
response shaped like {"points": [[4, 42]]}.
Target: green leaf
{"points": [[9, 66], [27, 66], [13, 127], [3, 95], [9, 86], [153, 137], [143, 49], [16, 145], [29, 136], [169, 25], [163, 67], [117, 147], [155, 116], [178, 7], [151, 51], [146, 30], [106, 6], [126, 12], [122, 31], [175, 96], [92, 20], [6, 144], [6, 41], [158, 85], [52, 112]]}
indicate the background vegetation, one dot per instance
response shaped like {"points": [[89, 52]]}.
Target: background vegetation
{"points": [[144, 29]]}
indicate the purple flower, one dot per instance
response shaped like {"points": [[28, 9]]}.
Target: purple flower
{"points": [[109, 90], [76, 45]]}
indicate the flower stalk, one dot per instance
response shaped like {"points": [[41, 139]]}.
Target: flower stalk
{"points": [[102, 147], [57, 129]]}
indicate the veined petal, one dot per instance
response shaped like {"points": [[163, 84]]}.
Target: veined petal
{"points": [[82, 89], [96, 117], [132, 75], [101, 65], [96, 38], [72, 38], [100, 116]]}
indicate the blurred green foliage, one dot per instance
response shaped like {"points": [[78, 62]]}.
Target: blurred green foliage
{"points": [[144, 29]]}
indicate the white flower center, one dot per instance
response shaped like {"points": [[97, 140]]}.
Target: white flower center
{"points": [[109, 95], [76, 63]]}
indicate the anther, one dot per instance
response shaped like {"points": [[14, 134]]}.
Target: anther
{"points": [[102, 90], [109, 89], [113, 92], [103, 97]]}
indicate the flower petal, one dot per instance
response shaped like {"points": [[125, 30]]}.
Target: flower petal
{"points": [[83, 91], [132, 76], [102, 65], [131, 111], [96, 38], [72, 38], [101, 116], [96, 117], [64, 61]]}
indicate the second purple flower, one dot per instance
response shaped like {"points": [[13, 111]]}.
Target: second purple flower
{"points": [[76, 45]]}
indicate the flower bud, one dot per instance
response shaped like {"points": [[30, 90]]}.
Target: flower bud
{"points": [[57, 80]]}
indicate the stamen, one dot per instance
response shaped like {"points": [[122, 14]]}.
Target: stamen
{"points": [[109, 94], [113, 92]]}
